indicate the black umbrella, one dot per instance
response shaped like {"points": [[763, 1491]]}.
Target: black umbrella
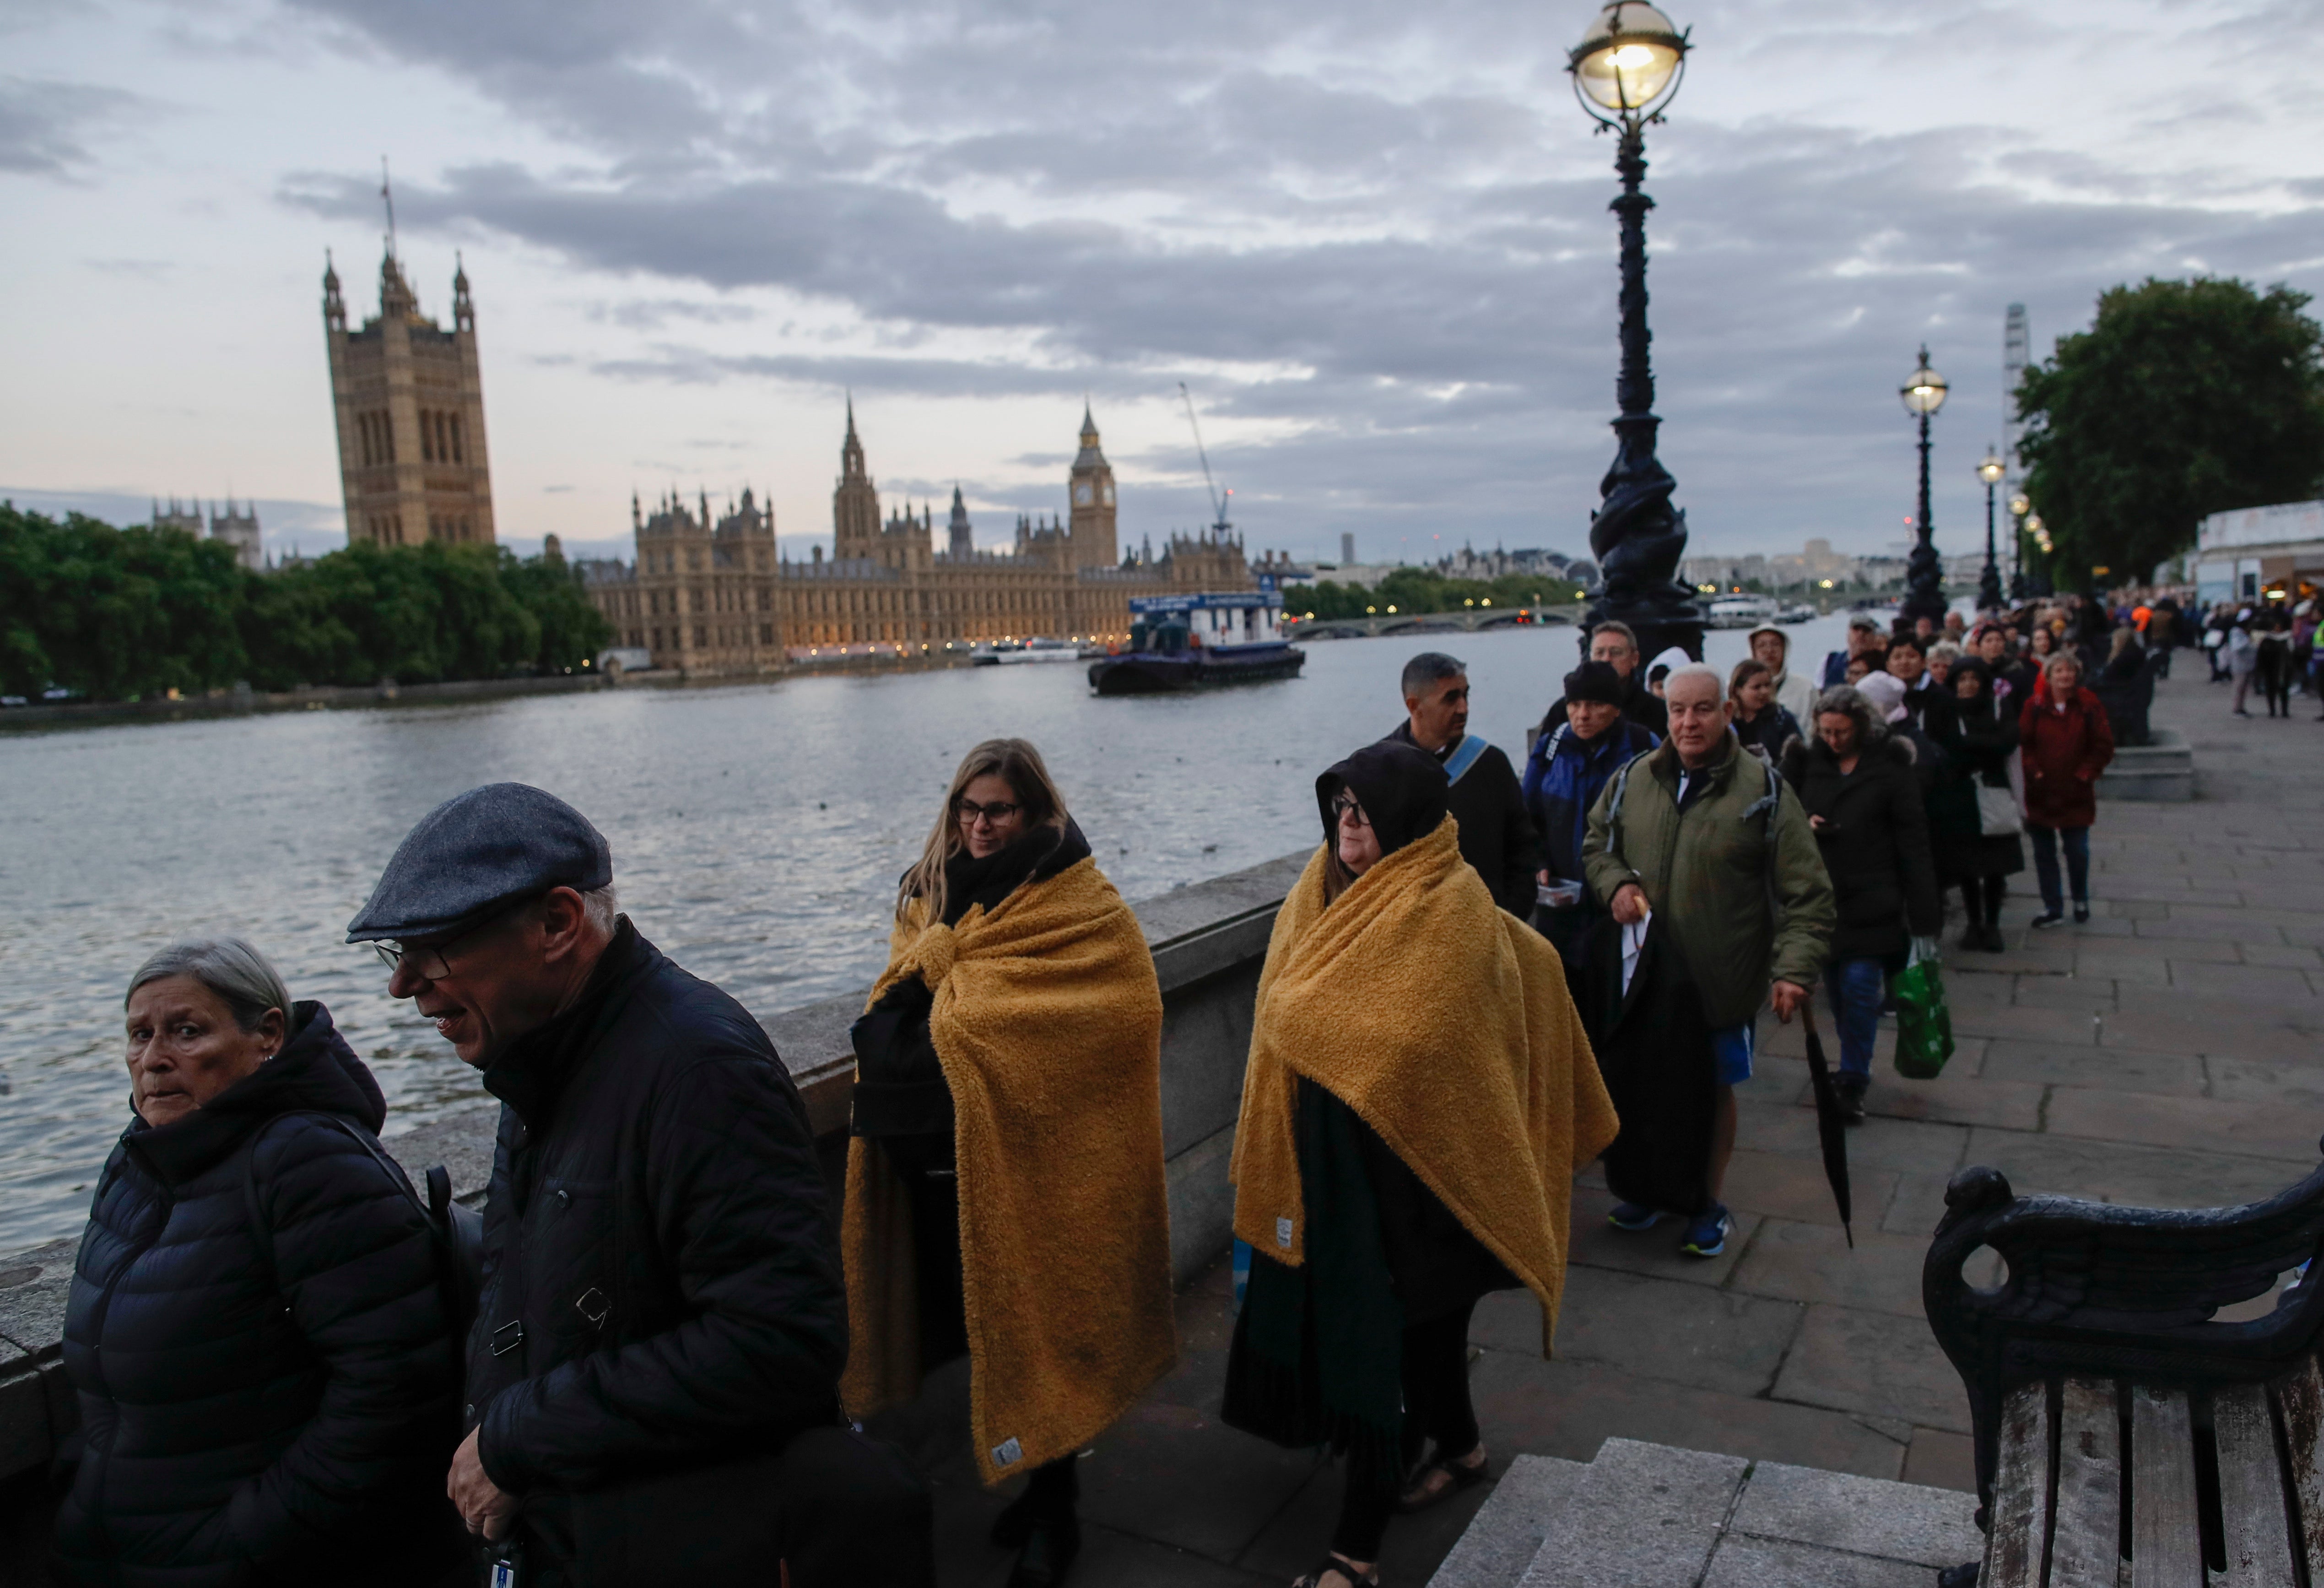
{"points": [[1832, 1130]]}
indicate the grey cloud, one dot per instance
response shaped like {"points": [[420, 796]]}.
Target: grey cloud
{"points": [[1132, 196], [44, 126]]}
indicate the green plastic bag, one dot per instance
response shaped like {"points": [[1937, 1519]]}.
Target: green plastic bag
{"points": [[1924, 1027]]}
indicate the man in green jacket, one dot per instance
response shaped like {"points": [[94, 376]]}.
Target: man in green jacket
{"points": [[1709, 838]]}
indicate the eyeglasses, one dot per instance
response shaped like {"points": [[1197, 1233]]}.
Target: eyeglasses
{"points": [[428, 958], [1345, 810], [970, 812]]}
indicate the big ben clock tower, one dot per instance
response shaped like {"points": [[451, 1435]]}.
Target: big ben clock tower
{"points": [[1092, 524]]}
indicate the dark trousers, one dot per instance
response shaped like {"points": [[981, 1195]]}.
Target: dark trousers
{"points": [[1436, 1406], [836, 1508], [2077, 841], [1981, 899]]}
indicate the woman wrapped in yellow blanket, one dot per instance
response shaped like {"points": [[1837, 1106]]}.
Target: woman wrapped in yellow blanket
{"points": [[1005, 1195], [1419, 1094]]}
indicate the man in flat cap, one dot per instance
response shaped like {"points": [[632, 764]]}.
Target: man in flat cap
{"points": [[652, 1373]]}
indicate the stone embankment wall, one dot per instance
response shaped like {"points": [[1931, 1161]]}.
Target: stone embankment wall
{"points": [[1208, 940]]}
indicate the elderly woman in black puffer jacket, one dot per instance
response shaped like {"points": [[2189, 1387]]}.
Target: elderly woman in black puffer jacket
{"points": [[1856, 780], [268, 1382]]}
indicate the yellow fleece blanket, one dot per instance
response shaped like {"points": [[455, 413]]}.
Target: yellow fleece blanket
{"points": [[1048, 1024], [1445, 1024]]}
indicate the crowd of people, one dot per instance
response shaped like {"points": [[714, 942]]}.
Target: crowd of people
{"points": [[654, 1361]]}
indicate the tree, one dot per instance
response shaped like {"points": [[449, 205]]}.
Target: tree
{"points": [[115, 614], [2183, 398]]}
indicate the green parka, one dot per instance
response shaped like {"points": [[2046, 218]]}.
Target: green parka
{"points": [[1745, 903]]}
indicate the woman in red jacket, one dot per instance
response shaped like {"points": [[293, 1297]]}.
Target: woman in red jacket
{"points": [[2067, 742]]}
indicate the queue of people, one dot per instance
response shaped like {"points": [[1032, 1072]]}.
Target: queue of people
{"points": [[655, 1364]]}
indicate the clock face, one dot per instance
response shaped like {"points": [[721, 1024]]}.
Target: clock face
{"points": [[1082, 494], [1109, 493]]}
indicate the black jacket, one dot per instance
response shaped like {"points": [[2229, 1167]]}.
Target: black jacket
{"points": [[1497, 837], [661, 1290], [267, 1380], [1875, 843]]}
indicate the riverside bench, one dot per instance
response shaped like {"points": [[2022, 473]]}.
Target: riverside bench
{"points": [[2126, 1435]]}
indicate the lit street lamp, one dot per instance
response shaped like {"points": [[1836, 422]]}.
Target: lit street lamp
{"points": [[1988, 583], [1925, 577], [2020, 505], [1625, 72], [2040, 533]]}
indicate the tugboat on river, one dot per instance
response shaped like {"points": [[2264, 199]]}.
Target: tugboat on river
{"points": [[1186, 641]]}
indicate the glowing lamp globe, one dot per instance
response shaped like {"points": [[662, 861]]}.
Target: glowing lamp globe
{"points": [[1628, 62], [1991, 469], [1925, 392]]}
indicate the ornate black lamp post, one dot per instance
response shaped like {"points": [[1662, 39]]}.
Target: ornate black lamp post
{"points": [[1924, 575], [1624, 71], [1988, 583], [2020, 505]]}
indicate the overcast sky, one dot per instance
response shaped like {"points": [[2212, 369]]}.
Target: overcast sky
{"points": [[1372, 239]]}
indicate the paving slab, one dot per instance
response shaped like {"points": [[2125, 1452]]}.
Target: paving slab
{"points": [[2167, 1075], [1881, 1364], [1571, 1408], [1641, 1516], [1812, 1262], [1760, 1563], [2239, 981], [2115, 1171], [1510, 1526], [1657, 1328], [1860, 1516], [1908, 1145], [1785, 1185], [1940, 1460], [1959, 1095], [2257, 1129]]}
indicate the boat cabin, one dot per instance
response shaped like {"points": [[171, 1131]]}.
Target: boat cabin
{"points": [[1169, 624]]}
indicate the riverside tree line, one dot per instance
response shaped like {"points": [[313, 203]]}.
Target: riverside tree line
{"points": [[123, 613]]}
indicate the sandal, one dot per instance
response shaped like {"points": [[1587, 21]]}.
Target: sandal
{"points": [[1339, 1565], [1419, 1495]]}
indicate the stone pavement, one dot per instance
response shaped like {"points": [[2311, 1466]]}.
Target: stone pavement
{"points": [[2163, 1054]]}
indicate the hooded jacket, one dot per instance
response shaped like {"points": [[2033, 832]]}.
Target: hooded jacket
{"points": [[1875, 844], [1563, 777], [267, 1380], [662, 1302], [1735, 874]]}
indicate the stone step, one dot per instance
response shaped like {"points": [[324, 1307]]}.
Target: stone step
{"points": [[2162, 770], [1652, 1516], [1507, 1531]]}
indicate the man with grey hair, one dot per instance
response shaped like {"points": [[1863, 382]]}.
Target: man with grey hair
{"points": [[1497, 837], [652, 1373], [1705, 843]]}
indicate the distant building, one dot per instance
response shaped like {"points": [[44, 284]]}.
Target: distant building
{"points": [[2245, 553], [714, 596], [1347, 547], [237, 527], [410, 405]]}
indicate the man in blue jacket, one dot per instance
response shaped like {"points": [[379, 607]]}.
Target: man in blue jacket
{"points": [[1568, 767]]}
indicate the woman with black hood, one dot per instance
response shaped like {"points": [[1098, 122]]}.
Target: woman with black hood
{"points": [[1005, 1193], [1418, 1095], [1984, 732], [268, 1382]]}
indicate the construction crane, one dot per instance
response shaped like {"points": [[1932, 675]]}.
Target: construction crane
{"points": [[1219, 525]]}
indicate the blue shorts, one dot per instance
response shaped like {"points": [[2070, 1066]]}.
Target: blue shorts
{"points": [[1730, 1053]]}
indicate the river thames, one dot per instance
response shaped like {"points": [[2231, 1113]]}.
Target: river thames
{"points": [[757, 829]]}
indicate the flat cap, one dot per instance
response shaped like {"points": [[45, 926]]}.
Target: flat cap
{"points": [[477, 851]]}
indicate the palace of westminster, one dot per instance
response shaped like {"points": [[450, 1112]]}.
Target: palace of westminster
{"points": [[715, 597]]}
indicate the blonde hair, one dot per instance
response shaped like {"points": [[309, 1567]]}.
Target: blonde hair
{"points": [[1016, 763]]}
